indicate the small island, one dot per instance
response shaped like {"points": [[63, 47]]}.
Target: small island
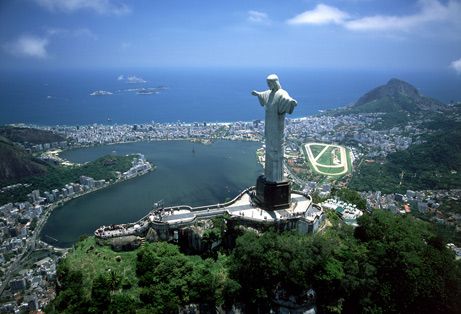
{"points": [[148, 91], [100, 93]]}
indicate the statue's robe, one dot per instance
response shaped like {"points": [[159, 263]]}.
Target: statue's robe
{"points": [[276, 104]]}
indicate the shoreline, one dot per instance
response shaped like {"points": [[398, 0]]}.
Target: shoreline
{"points": [[36, 239], [59, 245], [64, 201], [192, 140]]}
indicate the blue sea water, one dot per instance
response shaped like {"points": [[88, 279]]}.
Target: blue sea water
{"points": [[186, 173], [63, 97]]}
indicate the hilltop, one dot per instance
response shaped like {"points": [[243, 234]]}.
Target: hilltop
{"points": [[269, 272], [396, 95], [16, 163], [29, 135]]}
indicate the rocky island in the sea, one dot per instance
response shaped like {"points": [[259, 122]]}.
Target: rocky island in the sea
{"points": [[100, 93], [148, 91]]}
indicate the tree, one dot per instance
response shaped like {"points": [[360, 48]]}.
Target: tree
{"points": [[100, 294], [415, 271], [352, 197], [114, 281], [69, 293], [170, 279], [123, 304], [260, 264]]}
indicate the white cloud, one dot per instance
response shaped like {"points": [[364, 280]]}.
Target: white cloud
{"points": [[429, 11], [36, 46], [78, 32], [28, 46], [456, 65], [84, 32], [322, 14], [258, 17], [99, 6]]}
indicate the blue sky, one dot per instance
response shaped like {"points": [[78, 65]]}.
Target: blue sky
{"points": [[341, 34]]}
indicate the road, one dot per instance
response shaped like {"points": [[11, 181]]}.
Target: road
{"points": [[293, 176]]}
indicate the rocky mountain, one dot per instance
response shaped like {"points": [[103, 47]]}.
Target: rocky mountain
{"points": [[29, 135], [16, 163], [396, 95]]}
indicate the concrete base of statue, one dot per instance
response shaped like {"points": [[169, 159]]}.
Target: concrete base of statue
{"points": [[272, 195]]}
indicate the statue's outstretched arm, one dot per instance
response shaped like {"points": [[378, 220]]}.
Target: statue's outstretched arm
{"points": [[261, 97]]}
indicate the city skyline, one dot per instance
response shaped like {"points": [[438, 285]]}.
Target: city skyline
{"points": [[341, 34]]}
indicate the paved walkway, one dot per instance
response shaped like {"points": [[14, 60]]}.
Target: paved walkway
{"points": [[241, 207]]}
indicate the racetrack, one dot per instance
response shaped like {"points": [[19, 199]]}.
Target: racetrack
{"points": [[327, 161]]}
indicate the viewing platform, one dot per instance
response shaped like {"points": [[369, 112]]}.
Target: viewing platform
{"points": [[302, 215]]}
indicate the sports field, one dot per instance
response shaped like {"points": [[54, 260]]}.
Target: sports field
{"points": [[328, 159]]}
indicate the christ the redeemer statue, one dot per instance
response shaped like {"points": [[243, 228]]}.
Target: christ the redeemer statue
{"points": [[276, 103], [272, 191]]}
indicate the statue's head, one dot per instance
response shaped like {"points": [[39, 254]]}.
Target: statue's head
{"points": [[273, 82]]}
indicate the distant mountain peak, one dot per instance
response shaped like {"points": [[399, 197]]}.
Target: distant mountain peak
{"points": [[397, 81], [396, 95]]}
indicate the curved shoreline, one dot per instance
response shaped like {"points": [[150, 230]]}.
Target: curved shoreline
{"points": [[64, 201]]}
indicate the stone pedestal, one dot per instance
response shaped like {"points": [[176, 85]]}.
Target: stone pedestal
{"points": [[272, 195]]}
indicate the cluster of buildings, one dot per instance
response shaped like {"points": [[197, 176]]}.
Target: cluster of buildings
{"points": [[139, 167], [323, 189], [426, 202], [31, 289], [28, 289], [43, 147], [107, 134], [70, 190], [20, 226], [17, 223], [348, 212], [421, 201], [355, 129], [327, 128]]}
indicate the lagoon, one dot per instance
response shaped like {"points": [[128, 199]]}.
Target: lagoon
{"points": [[186, 173]]}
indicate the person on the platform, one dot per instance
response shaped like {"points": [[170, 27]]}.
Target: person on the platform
{"points": [[276, 103]]}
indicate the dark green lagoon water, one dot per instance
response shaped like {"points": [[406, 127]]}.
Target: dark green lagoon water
{"points": [[212, 174]]}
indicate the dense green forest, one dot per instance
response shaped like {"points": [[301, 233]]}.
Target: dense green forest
{"points": [[389, 264], [57, 177], [433, 164]]}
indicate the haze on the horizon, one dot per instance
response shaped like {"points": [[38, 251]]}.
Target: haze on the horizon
{"points": [[340, 34]]}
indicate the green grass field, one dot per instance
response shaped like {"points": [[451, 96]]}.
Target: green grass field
{"points": [[316, 149], [93, 259], [327, 160], [349, 160], [331, 171]]}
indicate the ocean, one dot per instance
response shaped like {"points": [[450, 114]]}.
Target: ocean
{"points": [[191, 95]]}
